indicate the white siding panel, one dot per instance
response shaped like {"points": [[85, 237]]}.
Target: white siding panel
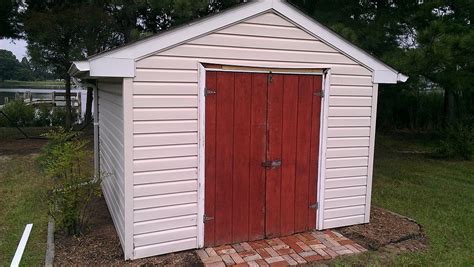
{"points": [[344, 212], [202, 51], [167, 247], [111, 151], [165, 139], [159, 62], [347, 162], [348, 142], [165, 176], [165, 188], [347, 152], [349, 101], [349, 111], [343, 221], [165, 151], [165, 200], [345, 182], [165, 212], [349, 132], [146, 75], [346, 172], [165, 236], [351, 91], [152, 88], [348, 121], [344, 202], [345, 192], [165, 114], [141, 127], [263, 42], [164, 224], [351, 80], [270, 19], [267, 30], [164, 164], [164, 101]]}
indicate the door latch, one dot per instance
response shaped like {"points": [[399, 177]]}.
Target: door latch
{"points": [[271, 164], [207, 218]]}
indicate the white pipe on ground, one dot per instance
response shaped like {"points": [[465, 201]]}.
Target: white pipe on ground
{"points": [[21, 246]]}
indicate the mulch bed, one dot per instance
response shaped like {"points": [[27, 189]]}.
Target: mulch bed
{"points": [[101, 246], [387, 230]]}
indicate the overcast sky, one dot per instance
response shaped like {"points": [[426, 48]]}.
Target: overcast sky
{"points": [[18, 47]]}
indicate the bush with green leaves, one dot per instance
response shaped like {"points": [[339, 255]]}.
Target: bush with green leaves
{"points": [[65, 160], [457, 142], [19, 114]]}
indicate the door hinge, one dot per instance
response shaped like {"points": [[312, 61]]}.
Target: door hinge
{"points": [[271, 164], [270, 77], [209, 92], [206, 218], [314, 206], [319, 93]]}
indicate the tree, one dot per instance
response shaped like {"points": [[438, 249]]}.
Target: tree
{"points": [[9, 24], [8, 65]]}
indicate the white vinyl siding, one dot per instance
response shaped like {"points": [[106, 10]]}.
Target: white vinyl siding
{"points": [[165, 122], [111, 152]]}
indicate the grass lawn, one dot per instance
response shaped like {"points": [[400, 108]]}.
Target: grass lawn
{"points": [[23, 200], [439, 194]]}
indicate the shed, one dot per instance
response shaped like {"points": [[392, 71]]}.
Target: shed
{"points": [[256, 122]]}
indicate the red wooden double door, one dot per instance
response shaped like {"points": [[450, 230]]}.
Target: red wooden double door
{"points": [[261, 162]]}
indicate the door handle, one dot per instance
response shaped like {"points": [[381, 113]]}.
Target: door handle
{"points": [[271, 164]]}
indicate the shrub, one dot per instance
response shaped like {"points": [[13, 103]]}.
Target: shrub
{"points": [[19, 113], [58, 116], [457, 142], [65, 160]]}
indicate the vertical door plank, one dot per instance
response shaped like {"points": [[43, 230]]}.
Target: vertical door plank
{"points": [[224, 159], [257, 156], [241, 168], [315, 127], [273, 184], [290, 115], [305, 96], [210, 164]]}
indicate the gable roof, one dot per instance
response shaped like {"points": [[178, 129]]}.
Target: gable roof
{"points": [[120, 62]]}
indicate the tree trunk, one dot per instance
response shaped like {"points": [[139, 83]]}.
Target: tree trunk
{"points": [[88, 115], [449, 107], [68, 119]]}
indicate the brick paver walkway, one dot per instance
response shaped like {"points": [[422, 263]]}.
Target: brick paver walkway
{"points": [[283, 251]]}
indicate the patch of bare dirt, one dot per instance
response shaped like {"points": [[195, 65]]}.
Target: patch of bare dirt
{"points": [[392, 232], [20, 146], [101, 246]]}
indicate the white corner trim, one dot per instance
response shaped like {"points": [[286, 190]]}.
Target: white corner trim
{"points": [[112, 67], [127, 98], [322, 149], [201, 154], [370, 169], [78, 67]]}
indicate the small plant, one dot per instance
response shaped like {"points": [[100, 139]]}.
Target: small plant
{"points": [[457, 142], [64, 159], [19, 113]]}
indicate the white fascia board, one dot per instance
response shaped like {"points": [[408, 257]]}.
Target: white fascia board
{"points": [[79, 67], [172, 38], [382, 72], [112, 67]]}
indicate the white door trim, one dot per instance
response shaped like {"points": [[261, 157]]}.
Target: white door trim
{"points": [[202, 140]]}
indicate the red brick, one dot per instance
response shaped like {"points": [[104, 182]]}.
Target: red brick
{"points": [[313, 242], [258, 244], [272, 252], [247, 253], [303, 246], [346, 242], [244, 264], [263, 253], [308, 236], [300, 237], [290, 260], [313, 258], [236, 257], [262, 263], [285, 251], [330, 233], [279, 264], [298, 258], [238, 247]]}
